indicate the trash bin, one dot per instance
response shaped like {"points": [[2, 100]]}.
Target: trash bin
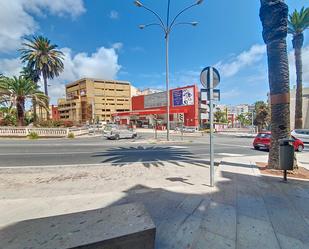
{"points": [[286, 154]]}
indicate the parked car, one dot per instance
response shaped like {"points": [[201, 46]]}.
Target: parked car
{"points": [[302, 134], [185, 129], [262, 141], [117, 132]]}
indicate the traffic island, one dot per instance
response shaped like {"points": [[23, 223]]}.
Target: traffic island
{"points": [[118, 227]]}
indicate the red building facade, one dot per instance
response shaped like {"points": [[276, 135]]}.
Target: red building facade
{"points": [[147, 108]]}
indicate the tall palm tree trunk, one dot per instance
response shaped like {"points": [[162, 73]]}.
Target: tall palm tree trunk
{"points": [[20, 106], [298, 41], [35, 116], [46, 93], [45, 84], [274, 18]]}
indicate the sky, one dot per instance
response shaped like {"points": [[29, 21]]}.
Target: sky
{"points": [[101, 39]]}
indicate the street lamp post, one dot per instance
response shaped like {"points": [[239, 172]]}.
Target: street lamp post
{"points": [[167, 28]]}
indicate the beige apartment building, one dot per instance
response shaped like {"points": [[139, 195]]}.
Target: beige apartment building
{"points": [[90, 100]]}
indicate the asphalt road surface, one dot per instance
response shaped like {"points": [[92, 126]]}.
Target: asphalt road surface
{"points": [[98, 150]]}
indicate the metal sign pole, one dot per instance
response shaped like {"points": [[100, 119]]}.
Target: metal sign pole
{"points": [[210, 78], [212, 173]]}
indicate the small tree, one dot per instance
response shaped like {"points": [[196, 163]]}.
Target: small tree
{"points": [[245, 119], [18, 90], [262, 115], [220, 117]]}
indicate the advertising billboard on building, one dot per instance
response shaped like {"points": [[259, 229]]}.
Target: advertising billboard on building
{"points": [[183, 97], [155, 100]]}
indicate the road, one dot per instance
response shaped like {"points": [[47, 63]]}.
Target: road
{"points": [[97, 150]]}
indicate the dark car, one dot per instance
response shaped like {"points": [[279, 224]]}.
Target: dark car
{"points": [[262, 141]]}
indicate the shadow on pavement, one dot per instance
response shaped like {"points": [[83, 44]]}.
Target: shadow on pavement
{"points": [[149, 156], [243, 211]]}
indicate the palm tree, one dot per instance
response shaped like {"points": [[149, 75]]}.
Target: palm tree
{"points": [[19, 90], [34, 75], [42, 56], [262, 114], [274, 18], [298, 23]]}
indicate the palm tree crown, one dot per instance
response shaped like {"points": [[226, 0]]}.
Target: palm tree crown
{"points": [[41, 55], [18, 90], [298, 21]]}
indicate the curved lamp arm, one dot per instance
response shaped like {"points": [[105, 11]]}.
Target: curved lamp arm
{"points": [[184, 10], [186, 23], [159, 18], [142, 26]]}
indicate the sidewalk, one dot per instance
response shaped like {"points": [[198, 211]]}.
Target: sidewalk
{"points": [[243, 210]]}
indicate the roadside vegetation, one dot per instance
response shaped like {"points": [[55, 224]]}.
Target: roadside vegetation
{"points": [[71, 135], [41, 59], [16, 91], [33, 135]]}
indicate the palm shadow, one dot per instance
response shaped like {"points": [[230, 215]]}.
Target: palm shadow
{"points": [[155, 156]]}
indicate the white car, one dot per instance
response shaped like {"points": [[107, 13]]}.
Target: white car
{"points": [[117, 132], [302, 134]]}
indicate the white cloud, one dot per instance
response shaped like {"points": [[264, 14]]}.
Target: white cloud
{"points": [[305, 60], [114, 15], [72, 8], [16, 18], [10, 67], [117, 45], [246, 58], [102, 64]]}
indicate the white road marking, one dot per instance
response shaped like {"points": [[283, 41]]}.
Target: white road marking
{"points": [[230, 154], [234, 145], [178, 147]]}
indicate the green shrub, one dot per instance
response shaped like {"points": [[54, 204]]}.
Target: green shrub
{"points": [[33, 135], [71, 135]]}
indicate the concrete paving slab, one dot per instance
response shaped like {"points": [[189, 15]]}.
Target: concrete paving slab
{"points": [[121, 227], [255, 234], [201, 211], [220, 219], [186, 233], [205, 239], [287, 221], [252, 206], [289, 242], [190, 203]]}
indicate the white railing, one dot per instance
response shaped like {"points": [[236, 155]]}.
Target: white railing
{"points": [[42, 132]]}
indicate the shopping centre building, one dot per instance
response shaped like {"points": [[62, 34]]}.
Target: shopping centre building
{"points": [[147, 110], [91, 100]]}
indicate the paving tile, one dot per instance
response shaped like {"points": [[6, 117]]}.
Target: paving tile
{"points": [[302, 205], [226, 193], [205, 239], [220, 219], [186, 232], [291, 243], [287, 221], [252, 206], [255, 234], [190, 203], [201, 211], [168, 227]]}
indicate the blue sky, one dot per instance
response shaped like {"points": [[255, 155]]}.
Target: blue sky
{"points": [[100, 38]]}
